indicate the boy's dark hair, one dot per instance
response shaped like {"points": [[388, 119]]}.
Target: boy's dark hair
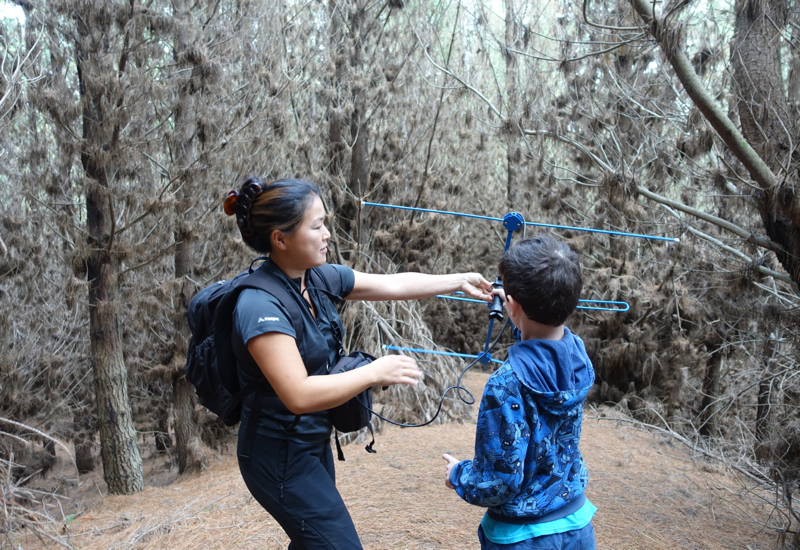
{"points": [[544, 276]]}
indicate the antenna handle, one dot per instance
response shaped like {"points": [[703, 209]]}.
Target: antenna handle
{"points": [[496, 308]]}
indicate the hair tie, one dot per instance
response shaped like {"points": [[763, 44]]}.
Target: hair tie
{"points": [[229, 206], [241, 202]]}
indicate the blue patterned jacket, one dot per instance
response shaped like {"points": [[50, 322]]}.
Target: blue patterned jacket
{"points": [[527, 463]]}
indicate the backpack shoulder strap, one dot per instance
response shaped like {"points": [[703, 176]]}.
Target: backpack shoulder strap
{"points": [[327, 279], [326, 274], [261, 279]]}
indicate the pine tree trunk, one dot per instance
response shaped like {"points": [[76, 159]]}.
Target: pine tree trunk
{"points": [[762, 145], [758, 80], [336, 123], [512, 135], [765, 118], [359, 131], [122, 464], [764, 446], [711, 379], [82, 439], [191, 456]]}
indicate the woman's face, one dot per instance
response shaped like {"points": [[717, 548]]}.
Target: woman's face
{"points": [[308, 245]]}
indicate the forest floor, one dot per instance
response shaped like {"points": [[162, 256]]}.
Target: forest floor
{"points": [[651, 493]]}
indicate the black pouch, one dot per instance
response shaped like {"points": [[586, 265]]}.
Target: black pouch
{"points": [[355, 413]]}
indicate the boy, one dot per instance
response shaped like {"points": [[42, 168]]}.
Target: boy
{"points": [[527, 468]]}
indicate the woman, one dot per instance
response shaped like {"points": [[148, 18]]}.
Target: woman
{"points": [[288, 465]]}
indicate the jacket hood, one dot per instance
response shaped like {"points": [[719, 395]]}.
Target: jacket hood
{"points": [[558, 370]]}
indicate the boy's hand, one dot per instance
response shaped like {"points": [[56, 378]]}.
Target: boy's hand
{"points": [[451, 461], [499, 292]]}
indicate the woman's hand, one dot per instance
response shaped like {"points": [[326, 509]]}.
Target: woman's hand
{"points": [[477, 287], [396, 369]]}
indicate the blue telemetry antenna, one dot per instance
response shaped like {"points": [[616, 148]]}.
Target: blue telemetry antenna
{"points": [[533, 224], [512, 222], [602, 305]]}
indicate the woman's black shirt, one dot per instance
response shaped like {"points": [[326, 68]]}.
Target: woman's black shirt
{"points": [[258, 312]]}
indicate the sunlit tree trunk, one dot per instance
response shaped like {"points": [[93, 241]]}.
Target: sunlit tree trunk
{"points": [[122, 464]]}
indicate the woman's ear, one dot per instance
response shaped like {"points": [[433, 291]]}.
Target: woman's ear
{"points": [[278, 240]]}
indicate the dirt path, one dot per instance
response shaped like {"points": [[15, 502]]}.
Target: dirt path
{"points": [[649, 495]]}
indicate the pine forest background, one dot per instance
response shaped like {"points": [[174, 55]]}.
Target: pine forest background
{"points": [[123, 125]]}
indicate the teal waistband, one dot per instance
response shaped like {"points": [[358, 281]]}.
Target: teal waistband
{"points": [[500, 532]]}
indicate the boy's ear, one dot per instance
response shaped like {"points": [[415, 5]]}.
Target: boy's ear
{"points": [[512, 305]]}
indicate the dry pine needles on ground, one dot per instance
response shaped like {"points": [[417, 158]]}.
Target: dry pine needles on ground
{"points": [[650, 495]]}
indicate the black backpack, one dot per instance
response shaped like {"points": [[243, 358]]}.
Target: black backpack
{"points": [[210, 362]]}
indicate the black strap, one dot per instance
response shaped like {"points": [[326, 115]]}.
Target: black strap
{"points": [[262, 279], [339, 453], [252, 426], [368, 448], [324, 274], [319, 277]]}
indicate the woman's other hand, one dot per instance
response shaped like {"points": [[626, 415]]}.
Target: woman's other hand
{"points": [[475, 286], [396, 369]]}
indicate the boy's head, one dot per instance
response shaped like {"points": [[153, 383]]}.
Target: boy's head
{"points": [[544, 276]]}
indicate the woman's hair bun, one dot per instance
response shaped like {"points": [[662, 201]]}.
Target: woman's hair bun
{"points": [[244, 200]]}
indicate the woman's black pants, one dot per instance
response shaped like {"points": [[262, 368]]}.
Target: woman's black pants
{"points": [[295, 482]]}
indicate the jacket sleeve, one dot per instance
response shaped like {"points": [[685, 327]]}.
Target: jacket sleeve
{"points": [[496, 474]]}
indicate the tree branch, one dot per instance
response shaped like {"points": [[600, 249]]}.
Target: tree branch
{"points": [[597, 160], [738, 253], [464, 83], [719, 222], [667, 35]]}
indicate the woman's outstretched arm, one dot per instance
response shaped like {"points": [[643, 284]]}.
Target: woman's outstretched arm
{"points": [[412, 286]]}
